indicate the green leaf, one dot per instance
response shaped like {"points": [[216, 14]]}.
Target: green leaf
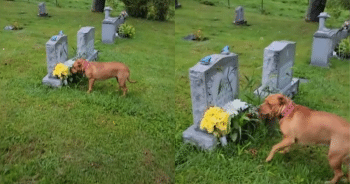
{"points": [[234, 136]]}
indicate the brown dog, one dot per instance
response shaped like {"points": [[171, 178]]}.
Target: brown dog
{"points": [[101, 71], [300, 124]]}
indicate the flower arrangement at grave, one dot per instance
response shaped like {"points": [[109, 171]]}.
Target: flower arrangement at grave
{"points": [[235, 120], [198, 35], [126, 30], [216, 121], [61, 71], [124, 14]]}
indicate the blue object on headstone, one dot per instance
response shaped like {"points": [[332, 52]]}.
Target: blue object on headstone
{"points": [[54, 38], [225, 50], [60, 33], [206, 60]]}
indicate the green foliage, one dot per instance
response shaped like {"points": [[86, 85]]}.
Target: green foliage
{"points": [[151, 14], [17, 26], [113, 3], [162, 8], [126, 30], [343, 49], [243, 125], [137, 8], [340, 4]]}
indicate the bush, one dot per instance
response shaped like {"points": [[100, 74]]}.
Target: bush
{"points": [[343, 49], [126, 31], [159, 10], [342, 4], [136, 8], [151, 12]]}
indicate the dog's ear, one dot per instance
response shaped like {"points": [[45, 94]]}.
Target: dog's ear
{"points": [[282, 100], [79, 63]]}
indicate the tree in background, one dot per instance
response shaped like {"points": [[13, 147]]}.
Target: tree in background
{"points": [[151, 9], [315, 8], [136, 8], [98, 5]]}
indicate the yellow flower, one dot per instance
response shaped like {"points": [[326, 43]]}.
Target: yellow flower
{"points": [[60, 70], [216, 121]]}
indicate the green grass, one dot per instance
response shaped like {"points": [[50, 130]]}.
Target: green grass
{"points": [[68, 136], [327, 90]]}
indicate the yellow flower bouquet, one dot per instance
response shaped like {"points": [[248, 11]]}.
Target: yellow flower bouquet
{"points": [[216, 121], [61, 71]]}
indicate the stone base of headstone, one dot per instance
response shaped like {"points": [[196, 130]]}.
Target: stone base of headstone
{"points": [[199, 138], [290, 90], [53, 82], [93, 57], [43, 15], [240, 22], [177, 6]]}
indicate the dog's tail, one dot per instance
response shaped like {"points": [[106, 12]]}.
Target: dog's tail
{"points": [[131, 80]]}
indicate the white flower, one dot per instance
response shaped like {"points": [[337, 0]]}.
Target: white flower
{"points": [[234, 106]]}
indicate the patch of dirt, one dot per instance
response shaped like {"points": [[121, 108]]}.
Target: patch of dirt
{"points": [[162, 178], [148, 157], [27, 151], [95, 165]]}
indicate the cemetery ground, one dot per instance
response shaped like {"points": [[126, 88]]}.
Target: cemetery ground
{"points": [[68, 136], [327, 90]]}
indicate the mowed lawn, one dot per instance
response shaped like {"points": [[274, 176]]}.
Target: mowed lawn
{"points": [[327, 90], [68, 136]]}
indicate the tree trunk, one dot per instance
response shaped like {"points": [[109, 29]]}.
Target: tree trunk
{"points": [[98, 5], [315, 8]]}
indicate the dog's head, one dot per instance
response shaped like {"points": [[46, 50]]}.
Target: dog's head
{"points": [[273, 106], [77, 66]]}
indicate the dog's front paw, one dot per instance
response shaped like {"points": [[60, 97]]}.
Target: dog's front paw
{"points": [[268, 159]]}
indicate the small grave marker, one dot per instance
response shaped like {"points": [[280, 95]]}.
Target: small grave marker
{"points": [[177, 4], [42, 10], [239, 19]]}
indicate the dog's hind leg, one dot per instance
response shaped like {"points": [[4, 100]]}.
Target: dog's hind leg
{"points": [[335, 161], [122, 83], [346, 162], [118, 84]]}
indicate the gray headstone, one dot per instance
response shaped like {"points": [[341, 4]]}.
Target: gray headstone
{"points": [[56, 52], [85, 43], [110, 26], [42, 9], [277, 70], [239, 19], [215, 84], [325, 41], [107, 12]]}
